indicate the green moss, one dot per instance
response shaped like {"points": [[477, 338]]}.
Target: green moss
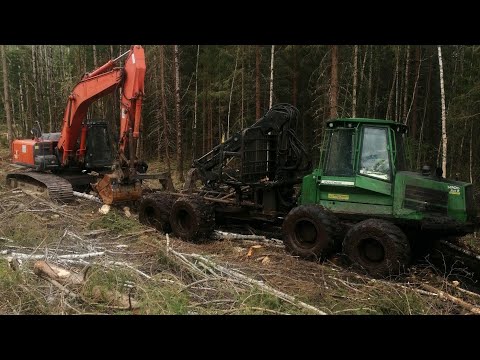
{"points": [[28, 229], [115, 222]]}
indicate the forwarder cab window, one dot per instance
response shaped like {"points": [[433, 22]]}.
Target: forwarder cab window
{"points": [[375, 161], [339, 160]]}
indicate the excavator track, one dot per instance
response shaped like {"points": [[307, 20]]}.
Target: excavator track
{"points": [[58, 188]]}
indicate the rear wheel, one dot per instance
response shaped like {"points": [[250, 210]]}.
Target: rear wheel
{"points": [[155, 210], [378, 246], [309, 231], [192, 218]]}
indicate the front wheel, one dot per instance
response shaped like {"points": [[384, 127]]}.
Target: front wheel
{"points": [[378, 246], [309, 231]]}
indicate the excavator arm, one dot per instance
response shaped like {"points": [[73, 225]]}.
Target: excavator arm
{"points": [[93, 86]]}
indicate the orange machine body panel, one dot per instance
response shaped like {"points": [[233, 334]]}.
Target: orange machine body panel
{"points": [[24, 151]]}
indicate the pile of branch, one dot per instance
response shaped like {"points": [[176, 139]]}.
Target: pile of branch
{"points": [[207, 268]]}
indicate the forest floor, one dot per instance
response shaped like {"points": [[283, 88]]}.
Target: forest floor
{"points": [[128, 268]]}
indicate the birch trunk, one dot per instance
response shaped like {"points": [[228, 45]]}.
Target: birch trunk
{"points": [[405, 88], [177, 114], [355, 79], [444, 115], [271, 77], [194, 129]]}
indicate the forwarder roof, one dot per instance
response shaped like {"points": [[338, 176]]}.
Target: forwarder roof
{"points": [[367, 121]]}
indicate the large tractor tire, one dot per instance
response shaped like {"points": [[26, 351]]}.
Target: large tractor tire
{"points": [[154, 210], [192, 218], [378, 246], [309, 231]]}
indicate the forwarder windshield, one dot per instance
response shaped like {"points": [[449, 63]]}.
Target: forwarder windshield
{"points": [[339, 160]]}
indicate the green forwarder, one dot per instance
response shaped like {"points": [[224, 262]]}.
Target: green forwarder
{"points": [[362, 197]]}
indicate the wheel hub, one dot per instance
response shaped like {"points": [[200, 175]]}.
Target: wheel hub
{"points": [[184, 220], [305, 233], [372, 250]]}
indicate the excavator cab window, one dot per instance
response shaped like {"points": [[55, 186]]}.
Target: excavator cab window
{"points": [[99, 147]]}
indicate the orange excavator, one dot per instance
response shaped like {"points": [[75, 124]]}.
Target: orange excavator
{"points": [[81, 154]]}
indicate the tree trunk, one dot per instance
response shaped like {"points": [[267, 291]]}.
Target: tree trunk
{"points": [[355, 79], [243, 87], [414, 97], [295, 77], [177, 113], [271, 77], [164, 107], [405, 88], [35, 82], [194, 130], [205, 118], [444, 115], [257, 83], [397, 71], [369, 89], [95, 63], [415, 91], [23, 115], [334, 83], [471, 151], [6, 96], [427, 94], [231, 93], [390, 96], [49, 86]]}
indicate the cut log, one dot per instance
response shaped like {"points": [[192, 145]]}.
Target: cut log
{"points": [[87, 196], [59, 274]]}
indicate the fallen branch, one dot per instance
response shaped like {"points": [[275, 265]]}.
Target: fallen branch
{"points": [[63, 257], [124, 236], [63, 288], [6, 239], [456, 287], [250, 281], [457, 248], [87, 196], [443, 295], [127, 265]]}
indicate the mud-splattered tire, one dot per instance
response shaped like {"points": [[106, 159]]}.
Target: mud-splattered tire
{"points": [[309, 231], [154, 210], [378, 246], [192, 218]]}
